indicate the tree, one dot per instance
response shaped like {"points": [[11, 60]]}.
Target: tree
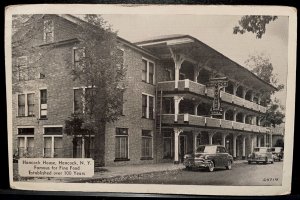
{"points": [[263, 68], [253, 23], [99, 67]]}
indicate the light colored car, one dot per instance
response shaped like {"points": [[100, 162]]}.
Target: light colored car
{"points": [[277, 153], [210, 157], [261, 155]]}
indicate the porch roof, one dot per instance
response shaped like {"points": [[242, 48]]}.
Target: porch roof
{"points": [[202, 53]]}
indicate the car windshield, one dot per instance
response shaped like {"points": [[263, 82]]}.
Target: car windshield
{"points": [[261, 150], [207, 149]]}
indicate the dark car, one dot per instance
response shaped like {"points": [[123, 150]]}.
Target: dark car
{"points": [[261, 155], [277, 153], [210, 157]]}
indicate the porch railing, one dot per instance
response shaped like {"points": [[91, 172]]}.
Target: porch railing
{"points": [[202, 121], [197, 88]]}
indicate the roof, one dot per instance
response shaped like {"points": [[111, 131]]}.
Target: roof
{"points": [[161, 39]]}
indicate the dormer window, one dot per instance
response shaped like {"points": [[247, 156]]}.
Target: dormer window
{"points": [[48, 31]]}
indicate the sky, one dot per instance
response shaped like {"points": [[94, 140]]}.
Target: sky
{"points": [[215, 31]]}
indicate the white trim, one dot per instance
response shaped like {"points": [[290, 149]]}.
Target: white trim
{"points": [[50, 126], [24, 126], [148, 103]]}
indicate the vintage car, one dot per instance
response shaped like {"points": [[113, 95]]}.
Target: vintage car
{"points": [[277, 153], [210, 157], [261, 155]]}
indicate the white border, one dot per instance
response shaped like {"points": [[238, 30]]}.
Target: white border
{"points": [[163, 10]]}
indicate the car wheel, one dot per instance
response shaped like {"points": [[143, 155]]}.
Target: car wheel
{"points": [[211, 167], [272, 161], [187, 167], [229, 165], [266, 161], [249, 162]]}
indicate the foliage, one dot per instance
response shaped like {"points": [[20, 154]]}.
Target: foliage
{"points": [[274, 116], [253, 23], [261, 65], [279, 143], [100, 68], [263, 68]]}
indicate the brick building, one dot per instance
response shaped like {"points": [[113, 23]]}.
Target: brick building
{"points": [[166, 111]]}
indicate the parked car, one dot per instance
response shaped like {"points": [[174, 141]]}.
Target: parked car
{"points": [[210, 157], [261, 155], [277, 153]]}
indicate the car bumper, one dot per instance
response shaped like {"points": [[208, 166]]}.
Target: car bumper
{"points": [[198, 163], [262, 159]]}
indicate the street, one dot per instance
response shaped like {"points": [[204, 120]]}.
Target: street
{"points": [[241, 174]]}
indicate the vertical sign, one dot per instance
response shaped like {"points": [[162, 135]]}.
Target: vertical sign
{"points": [[217, 84]]}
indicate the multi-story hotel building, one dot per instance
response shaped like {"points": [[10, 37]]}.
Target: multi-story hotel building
{"points": [[166, 110]]}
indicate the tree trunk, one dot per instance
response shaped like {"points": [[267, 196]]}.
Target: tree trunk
{"points": [[100, 144]]}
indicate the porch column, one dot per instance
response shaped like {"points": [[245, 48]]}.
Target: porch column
{"points": [[235, 86], [244, 118], [265, 140], [82, 148], [258, 121], [196, 108], [177, 131], [224, 114], [251, 137], [245, 90], [224, 135], [259, 98], [271, 140], [178, 60], [244, 147], [258, 141], [254, 120], [195, 141], [196, 73], [177, 100], [234, 145], [234, 115], [252, 96], [210, 137]]}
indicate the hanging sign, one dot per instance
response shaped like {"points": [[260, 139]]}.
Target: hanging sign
{"points": [[217, 84]]}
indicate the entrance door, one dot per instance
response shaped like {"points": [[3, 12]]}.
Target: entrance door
{"points": [[182, 147]]}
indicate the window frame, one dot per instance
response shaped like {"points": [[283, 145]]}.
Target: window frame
{"points": [[46, 32], [25, 136], [83, 98], [120, 136], [40, 104], [52, 139], [147, 137], [171, 146], [148, 61], [148, 106], [74, 49], [26, 105], [24, 68]]}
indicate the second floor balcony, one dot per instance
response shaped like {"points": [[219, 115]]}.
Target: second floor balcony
{"points": [[202, 121], [200, 89]]}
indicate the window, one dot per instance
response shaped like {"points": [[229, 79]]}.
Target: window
{"points": [[148, 70], [30, 104], [78, 101], [22, 68], [25, 142], [169, 75], [26, 105], [147, 106], [168, 145], [121, 150], [48, 31], [84, 147], [43, 104], [21, 105], [84, 99], [146, 144], [79, 55], [53, 146]]}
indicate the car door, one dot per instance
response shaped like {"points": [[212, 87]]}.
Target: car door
{"points": [[223, 156], [218, 157]]}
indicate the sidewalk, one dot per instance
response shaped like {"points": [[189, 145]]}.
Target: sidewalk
{"points": [[119, 171]]}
